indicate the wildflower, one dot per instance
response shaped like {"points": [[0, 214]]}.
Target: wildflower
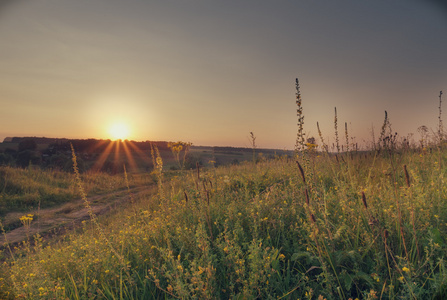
{"points": [[26, 220], [405, 269], [372, 294]]}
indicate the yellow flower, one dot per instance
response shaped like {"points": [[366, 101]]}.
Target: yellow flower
{"points": [[405, 269]]}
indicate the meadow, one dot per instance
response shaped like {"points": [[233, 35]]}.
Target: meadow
{"points": [[361, 225], [321, 225], [32, 189]]}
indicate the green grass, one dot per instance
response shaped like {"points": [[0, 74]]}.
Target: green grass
{"points": [[22, 190], [246, 232]]}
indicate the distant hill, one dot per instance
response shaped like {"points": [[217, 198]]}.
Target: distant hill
{"points": [[81, 145], [38, 140], [110, 156]]}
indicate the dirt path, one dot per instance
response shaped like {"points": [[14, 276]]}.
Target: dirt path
{"points": [[68, 215]]}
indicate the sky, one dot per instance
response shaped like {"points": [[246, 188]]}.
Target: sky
{"points": [[210, 72]]}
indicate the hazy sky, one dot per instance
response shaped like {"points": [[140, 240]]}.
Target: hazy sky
{"points": [[209, 72]]}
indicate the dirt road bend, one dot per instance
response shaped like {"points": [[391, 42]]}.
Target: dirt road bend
{"points": [[70, 214]]}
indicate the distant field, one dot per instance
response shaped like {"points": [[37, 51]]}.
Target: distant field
{"points": [[135, 155]]}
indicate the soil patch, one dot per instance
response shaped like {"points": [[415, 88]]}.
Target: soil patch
{"points": [[68, 215]]}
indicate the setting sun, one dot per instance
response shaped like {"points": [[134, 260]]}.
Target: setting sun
{"points": [[119, 131]]}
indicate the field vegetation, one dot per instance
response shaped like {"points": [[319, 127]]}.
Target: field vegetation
{"points": [[36, 191], [25, 189], [322, 225]]}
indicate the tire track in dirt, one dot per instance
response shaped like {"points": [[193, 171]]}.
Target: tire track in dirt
{"points": [[61, 218]]}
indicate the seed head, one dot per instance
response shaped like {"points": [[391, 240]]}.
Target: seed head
{"points": [[364, 200], [407, 177], [301, 171], [306, 193]]}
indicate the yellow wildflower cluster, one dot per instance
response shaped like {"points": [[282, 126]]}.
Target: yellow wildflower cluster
{"points": [[176, 146], [311, 147], [26, 219]]}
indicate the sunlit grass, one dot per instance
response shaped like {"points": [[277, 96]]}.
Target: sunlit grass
{"points": [[31, 189], [243, 231]]}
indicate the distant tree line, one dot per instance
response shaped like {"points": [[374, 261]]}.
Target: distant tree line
{"points": [[56, 153]]}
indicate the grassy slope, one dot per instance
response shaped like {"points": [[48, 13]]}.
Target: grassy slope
{"points": [[22, 190], [245, 231]]}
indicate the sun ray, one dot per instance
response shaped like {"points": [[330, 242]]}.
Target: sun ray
{"points": [[102, 158], [98, 144], [145, 157], [130, 159], [117, 154]]}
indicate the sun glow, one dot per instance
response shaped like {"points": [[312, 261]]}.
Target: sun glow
{"points": [[119, 131]]}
